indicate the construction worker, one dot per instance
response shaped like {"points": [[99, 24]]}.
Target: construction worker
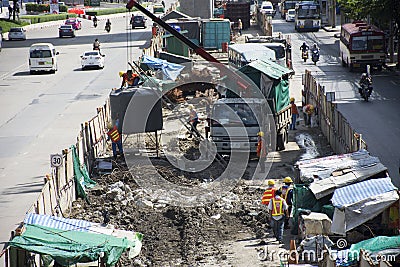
{"points": [[261, 151], [295, 114], [287, 195], [193, 119], [278, 209], [116, 138], [129, 78], [308, 111], [269, 193]]}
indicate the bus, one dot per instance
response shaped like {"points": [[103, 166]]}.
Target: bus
{"points": [[362, 44], [308, 16], [240, 55], [286, 5]]}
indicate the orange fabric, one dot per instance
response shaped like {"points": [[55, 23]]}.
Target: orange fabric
{"points": [[261, 151], [268, 195], [114, 134], [294, 109]]}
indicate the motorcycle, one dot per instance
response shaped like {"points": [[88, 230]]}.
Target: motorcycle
{"points": [[108, 27], [315, 56], [365, 89], [304, 55]]}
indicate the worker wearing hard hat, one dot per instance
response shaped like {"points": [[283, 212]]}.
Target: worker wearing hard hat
{"points": [[287, 195], [116, 138], [129, 78], [261, 151], [278, 209], [308, 111], [295, 114], [269, 193]]}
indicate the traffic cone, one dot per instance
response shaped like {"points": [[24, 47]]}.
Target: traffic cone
{"points": [[293, 255]]}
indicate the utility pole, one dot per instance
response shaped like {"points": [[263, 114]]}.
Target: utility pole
{"points": [[333, 14]]}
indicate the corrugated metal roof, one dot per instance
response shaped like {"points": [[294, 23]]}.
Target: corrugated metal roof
{"points": [[58, 222], [354, 193], [269, 68]]}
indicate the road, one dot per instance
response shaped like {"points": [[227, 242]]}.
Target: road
{"points": [[41, 114], [377, 120]]}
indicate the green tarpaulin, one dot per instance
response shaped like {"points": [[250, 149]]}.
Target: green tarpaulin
{"points": [[82, 179], [71, 247], [374, 245]]}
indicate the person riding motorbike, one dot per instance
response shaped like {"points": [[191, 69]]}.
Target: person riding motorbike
{"points": [[304, 51], [108, 25], [315, 53], [95, 21], [366, 82], [96, 44]]}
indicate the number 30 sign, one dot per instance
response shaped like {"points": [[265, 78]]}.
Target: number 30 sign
{"points": [[56, 160]]}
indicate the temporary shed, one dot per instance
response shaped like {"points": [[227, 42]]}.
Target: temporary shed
{"points": [[70, 241], [175, 15], [360, 202], [328, 173]]}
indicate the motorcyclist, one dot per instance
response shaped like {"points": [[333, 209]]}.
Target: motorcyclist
{"points": [[315, 50], [108, 24], [95, 21], [304, 47], [366, 81], [96, 45]]}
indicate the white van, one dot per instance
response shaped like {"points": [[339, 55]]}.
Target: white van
{"points": [[267, 8], [42, 57]]}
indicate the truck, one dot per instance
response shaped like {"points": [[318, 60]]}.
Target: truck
{"points": [[272, 81]]}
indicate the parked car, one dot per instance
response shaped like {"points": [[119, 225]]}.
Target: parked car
{"points": [[17, 33], [66, 30], [290, 14], [76, 23], [92, 59], [138, 21]]}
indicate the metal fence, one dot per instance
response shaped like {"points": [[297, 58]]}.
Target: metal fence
{"points": [[341, 136]]}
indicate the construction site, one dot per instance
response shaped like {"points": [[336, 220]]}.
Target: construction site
{"points": [[181, 194]]}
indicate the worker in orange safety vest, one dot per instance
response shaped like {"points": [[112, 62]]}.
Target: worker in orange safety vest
{"points": [[261, 151], [116, 138], [278, 209], [269, 193]]}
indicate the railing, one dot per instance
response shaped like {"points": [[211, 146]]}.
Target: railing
{"points": [[341, 136]]}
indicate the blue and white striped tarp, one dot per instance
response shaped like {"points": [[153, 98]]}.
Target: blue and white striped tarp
{"points": [[57, 222], [363, 190]]}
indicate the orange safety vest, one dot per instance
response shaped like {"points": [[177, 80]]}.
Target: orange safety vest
{"points": [[268, 195], [277, 209], [114, 134], [261, 151]]}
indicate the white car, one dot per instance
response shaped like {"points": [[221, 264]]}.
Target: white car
{"points": [[92, 59], [290, 15], [17, 33]]}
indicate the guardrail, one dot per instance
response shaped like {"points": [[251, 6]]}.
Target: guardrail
{"points": [[341, 136]]}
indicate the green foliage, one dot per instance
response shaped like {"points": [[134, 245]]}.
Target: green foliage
{"points": [[6, 24], [41, 8], [50, 17]]}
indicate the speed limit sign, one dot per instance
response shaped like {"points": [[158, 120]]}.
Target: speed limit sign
{"points": [[56, 160]]}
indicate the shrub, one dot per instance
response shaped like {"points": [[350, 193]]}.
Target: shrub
{"points": [[6, 24], [49, 17], [41, 8], [106, 11]]}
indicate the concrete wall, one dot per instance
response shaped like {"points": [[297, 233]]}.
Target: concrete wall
{"points": [[197, 8]]}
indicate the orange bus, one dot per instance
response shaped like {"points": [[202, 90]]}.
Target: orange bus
{"points": [[362, 44]]}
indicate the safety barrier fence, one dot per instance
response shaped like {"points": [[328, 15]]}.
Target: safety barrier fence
{"points": [[341, 136], [58, 192]]}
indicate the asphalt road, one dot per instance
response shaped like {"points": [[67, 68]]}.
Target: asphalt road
{"points": [[378, 120], [41, 114]]}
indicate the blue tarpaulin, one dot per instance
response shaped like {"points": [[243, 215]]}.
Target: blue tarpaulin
{"points": [[57, 222], [356, 192], [170, 70]]}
